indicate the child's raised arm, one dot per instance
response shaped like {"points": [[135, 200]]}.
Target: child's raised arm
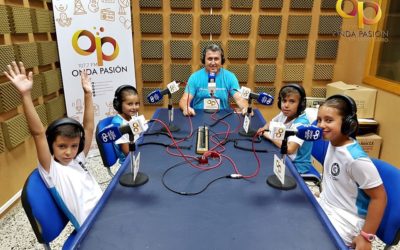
{"points": [[23, 82], [88, 115]]}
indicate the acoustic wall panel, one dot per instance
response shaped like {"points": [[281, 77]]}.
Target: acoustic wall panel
{"points": [[27, 53], [52, 81], [269, 25], [41, 21], [41, 110], [55, 108], [326, 49], [180, 72], [150, 3], [241, 4], [181, 23], [214, 4], [15, 131], [267, 49], [176, 97], [52, 24], [181, 49], [152, 72], [293, 72], [239, 24], [205, 43], [318, 92], [330, 24], [301, 4], [181, 4], [7, 56], [323, 71], [152, 49], [296, 49], [5, 23], [299, 25], [151, 23], [9, 97], [238, 49], [267, 89], [271, 4], [210, 24], [47, 52], [145, 92], [241, 71], [2, 143], [21, 20], [38, 81], [328, 4], [264, 73]]}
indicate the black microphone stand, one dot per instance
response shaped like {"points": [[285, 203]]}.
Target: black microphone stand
{"points": [[289, 182], [250, 132], [172, 127], [128, 179]]}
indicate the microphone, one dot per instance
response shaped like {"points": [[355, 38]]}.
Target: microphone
{"points": [[262, 98], [113, 132], [212, 86], [157, 95], [278, 131]]}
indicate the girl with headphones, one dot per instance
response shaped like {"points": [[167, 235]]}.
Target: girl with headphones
{"points": [[292, 103], [352, 193], [126, 102], [62, 149]]}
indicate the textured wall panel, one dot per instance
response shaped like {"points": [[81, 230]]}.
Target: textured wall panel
{"points": [[150, 3], [5, 20], [7, 56], [22, 22], [241, 71], [180, 72], [151, 23], [2, 143], [145, 92], [48, 52], [181, 4], [239, 24], [41, 21], [210, 24], [329, 25], [323, 71], [15, 131], [181, 23], [52, 81], [241, 4], [181, 49], [52, 23], [326, 49], [301, 4], [41, 110], [177, 95], [269, 25], [55, 108], [27, 53], [293, 72], [38, 81], [152, 49], [267, 89], [152, 72], [328, 4], [204, 44], [265, 73], [9, 97], [296, 49], [318, 92], [271, 4], [299, 25], [267, 49], [238, 49], [215, 4]]}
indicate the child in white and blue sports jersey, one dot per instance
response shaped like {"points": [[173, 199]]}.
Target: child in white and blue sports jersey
{"points": [[62, 149], [352, 194], [292, 103]]}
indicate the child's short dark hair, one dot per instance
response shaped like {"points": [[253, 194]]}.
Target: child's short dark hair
{"points": [[120, 94], [67, 127], [293, 88]]}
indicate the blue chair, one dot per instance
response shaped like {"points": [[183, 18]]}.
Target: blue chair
{"points": [[107, 151], [389, 229], [46, 218]]}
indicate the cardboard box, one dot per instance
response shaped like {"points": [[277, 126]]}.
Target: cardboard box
{"points": [[363, 96], [371, 143]]}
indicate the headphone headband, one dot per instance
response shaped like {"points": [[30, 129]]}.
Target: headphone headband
{"points": [[117, 102], [60, 122], [302, 102], [349, 122], [212, 47]]}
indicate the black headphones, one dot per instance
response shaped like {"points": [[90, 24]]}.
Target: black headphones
{"points": [[117, 102], [50, 132], [300, 89], [212, 47], [350, 122]]}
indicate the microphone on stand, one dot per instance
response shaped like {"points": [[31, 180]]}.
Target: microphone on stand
{"points": [[212, 86]]}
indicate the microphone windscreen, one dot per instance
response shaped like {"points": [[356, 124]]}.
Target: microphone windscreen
{"points": [[110, 133], [309, 132]]}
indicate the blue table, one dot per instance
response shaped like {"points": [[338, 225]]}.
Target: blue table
{"points": [[229, 214]]}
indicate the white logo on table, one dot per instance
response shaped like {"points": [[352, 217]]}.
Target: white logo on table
{"points": [[279, 169]]}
